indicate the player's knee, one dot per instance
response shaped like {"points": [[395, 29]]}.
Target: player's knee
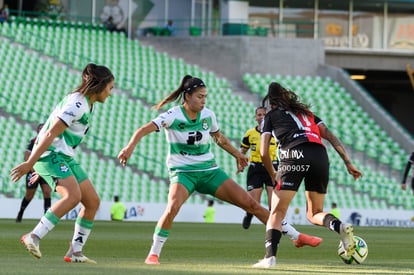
{"points": [[73, 198]]}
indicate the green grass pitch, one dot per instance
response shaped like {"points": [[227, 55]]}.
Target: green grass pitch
{"points": [[196, 248]]}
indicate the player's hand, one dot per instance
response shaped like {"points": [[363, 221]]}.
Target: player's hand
{"points": [[353, 171], [403, 186], [242, 162], [124, 155], [34, 177], [19, 171]]}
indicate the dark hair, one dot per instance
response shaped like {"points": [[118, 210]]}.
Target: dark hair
{"points": [[278, 96], [94, 79], [39, 127], [188, 85], [260, 108]]}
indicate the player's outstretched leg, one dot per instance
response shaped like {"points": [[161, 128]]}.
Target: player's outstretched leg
{"points": [[305, 239], [299, 239]]}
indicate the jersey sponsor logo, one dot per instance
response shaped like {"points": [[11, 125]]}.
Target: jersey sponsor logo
{"points": [[190, 154], [286, 183], [291, 154], [78, 104], [63, 168], [193, 137], [306, 134], [69, 113]]}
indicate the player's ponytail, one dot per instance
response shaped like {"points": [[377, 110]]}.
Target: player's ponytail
{"points": [[188, 85]]}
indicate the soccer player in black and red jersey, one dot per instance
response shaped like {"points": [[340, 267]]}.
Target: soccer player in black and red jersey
{"points": [[407, 168], [32, 187], [302, 156], [258, 179]]}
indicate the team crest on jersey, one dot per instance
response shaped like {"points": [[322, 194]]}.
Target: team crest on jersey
{"points": [[63, 168], [205, 124]]}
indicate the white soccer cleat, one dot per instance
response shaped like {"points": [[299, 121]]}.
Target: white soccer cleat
{"points": [[78, 257], [32, 245], [347, 238], [266, 263]]}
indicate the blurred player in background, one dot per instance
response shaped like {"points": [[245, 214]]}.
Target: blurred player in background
{"points": [[210, 212], [118, 210], [52, 159], [407, 169], [32, 187]]}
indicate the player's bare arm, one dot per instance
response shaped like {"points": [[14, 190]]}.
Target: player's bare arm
{"points": [[225, 144], [127, 151], [264, 153], [340, 149], [23, 168]]}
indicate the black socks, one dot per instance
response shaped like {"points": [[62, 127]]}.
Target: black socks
{"points": [[272, 242], [331, 222]]}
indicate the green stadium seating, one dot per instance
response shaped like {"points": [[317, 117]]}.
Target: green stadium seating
{"points": [[143, 77]]}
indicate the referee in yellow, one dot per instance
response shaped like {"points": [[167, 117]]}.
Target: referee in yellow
{"points": [[118, 210]]}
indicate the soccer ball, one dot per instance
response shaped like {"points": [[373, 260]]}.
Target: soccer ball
{"points": [[360, 254]]}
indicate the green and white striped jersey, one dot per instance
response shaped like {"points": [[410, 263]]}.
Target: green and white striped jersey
{"points": [[189, 141], [74, 111]]}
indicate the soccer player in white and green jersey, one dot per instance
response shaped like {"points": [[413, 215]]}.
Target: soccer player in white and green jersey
{"points": [[52, 159], [189, 128]]}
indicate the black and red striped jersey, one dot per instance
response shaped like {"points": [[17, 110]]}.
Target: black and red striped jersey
{"points": [[292, 129]]}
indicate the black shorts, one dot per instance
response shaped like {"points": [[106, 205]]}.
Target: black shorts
{"points": [[257, 176], [36, 184], [308, 161]]}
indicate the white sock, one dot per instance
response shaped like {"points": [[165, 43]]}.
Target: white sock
{"points": [[157, 244], [45, 225], [81, 233], [289, 230]]}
